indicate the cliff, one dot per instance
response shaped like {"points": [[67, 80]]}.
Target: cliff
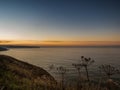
{"points": [[18, 75]]}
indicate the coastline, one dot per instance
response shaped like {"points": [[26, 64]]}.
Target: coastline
{"points": [[3, 49]]}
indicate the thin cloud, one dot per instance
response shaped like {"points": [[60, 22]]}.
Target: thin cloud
{"points": [[5, 41], [53, 41]]}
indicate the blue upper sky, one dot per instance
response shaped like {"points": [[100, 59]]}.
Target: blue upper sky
{"points": [[69, 20]]}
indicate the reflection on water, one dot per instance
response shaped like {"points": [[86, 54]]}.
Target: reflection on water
{"points": [[44, 57]]}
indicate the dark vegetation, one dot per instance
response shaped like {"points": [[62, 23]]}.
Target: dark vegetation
{"points": [[106, 81], [18, 75]]}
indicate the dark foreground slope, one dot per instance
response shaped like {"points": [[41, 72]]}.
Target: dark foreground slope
{"points": [[18, 75]]}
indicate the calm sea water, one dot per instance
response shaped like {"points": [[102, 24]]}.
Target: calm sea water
{"points": [[44, 57]]}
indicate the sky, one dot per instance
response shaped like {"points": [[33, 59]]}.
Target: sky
{"points": [[60, 22]]}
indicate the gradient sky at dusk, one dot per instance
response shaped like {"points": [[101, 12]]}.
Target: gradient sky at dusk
{"points": [[60, 20]]}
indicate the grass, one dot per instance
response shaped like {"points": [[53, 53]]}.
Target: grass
{"points": [[17, 75], [105, 82]]}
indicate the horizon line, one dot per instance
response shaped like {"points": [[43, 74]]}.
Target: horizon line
{"points": [[59, 43]]}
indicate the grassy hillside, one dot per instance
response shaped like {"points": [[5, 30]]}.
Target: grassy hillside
{"points": [[18, 75]]}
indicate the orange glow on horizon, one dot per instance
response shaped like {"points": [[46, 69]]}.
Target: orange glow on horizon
{"points": [[60, 43]]}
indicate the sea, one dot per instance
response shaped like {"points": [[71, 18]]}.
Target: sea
{"points": [[65, 57]]}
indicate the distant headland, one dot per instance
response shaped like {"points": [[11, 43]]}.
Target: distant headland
{"points": [[3, 49], [17, 46]]}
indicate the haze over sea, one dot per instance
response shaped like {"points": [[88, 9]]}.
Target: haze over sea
{"points": [[43, 57]]}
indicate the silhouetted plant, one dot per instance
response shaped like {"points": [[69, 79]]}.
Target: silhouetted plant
{"points": [[62, 71], [53, 85], [109, 70], [85, 63], [51, 67], [78, 68]]}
